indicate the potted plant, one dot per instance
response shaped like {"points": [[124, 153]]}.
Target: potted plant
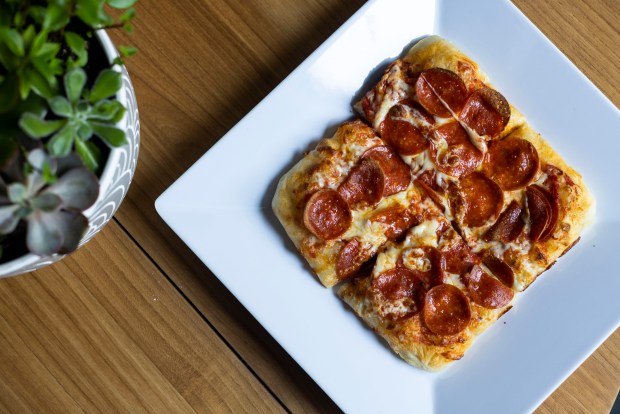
{"points": [[69, 130]]}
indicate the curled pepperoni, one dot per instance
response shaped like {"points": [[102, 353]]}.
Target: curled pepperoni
{"points": [[351, 258], [540, 211], [364, 185], [480, 199], [446, 310], [401, 133], [396, 220], [438, 266], [554, 200], [427, 181], [439, 90], [487, 291], [543, 209], [327, 214], [487, 112], [512, 163], [500, 269], [397, 173], [508, 226], [460, 157], [459, 257]]}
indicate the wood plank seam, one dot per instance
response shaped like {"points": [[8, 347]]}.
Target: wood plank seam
{"points": [[203, 317]]}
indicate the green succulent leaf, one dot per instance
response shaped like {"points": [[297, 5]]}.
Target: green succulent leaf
{"points": [[28, 36], [107, 84], [46, 50], [12, 39], [24, 85], [38, 83], [85, 131], [17, 192], [106, 110], [36, 48], [89, 154], [49, 177], [61, 106], [61, 143], [77, 44], [47, 202], [127, 51], [74, 84], [127, 15], [37, 13], [92, 13], [78, 189], [40, 160], [121, 4], [8, 219], [23, 212], [111, 135], [38, 128], [56, 17], [44, 236], [74, 226]]}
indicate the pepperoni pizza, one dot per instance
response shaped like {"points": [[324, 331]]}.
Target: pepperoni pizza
{"points": [[439, 212]]}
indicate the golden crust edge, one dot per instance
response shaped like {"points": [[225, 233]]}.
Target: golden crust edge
{"points": [[424, 356], [580, 212]]}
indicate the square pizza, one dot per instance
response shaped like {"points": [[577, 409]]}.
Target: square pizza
{"points": [[437, 210]]}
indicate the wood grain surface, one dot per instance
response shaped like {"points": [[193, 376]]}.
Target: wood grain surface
{"points": [[134, 322]]}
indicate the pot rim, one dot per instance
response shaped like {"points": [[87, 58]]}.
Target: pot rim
{"points": [[105, 180]]}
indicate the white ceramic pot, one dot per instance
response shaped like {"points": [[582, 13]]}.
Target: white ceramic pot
{"points": [[114, 181]]}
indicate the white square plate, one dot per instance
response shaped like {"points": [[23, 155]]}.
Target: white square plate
{"points": [[221, 207]]}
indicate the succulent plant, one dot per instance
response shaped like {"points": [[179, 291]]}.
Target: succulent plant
{"points": [[51, 201], [58, 116], [80, 114]]}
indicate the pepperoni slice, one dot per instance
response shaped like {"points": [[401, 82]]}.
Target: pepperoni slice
{"points": [[351, 258], [446, 310], [439, 90], [397, 220], [508, 226], [460, 157], [487, 291], [402, 134], [487, 112], [512, 163], [540, 211], [500, 269], [438, 266], [364, 185], [400, 284], [427, 181], [554, 202], [480, 199], [327, 214], [397, 173], [397, 283], [459, 258]]}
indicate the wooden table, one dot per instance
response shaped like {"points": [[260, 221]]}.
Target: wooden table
{"points": [[134, 322]]}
